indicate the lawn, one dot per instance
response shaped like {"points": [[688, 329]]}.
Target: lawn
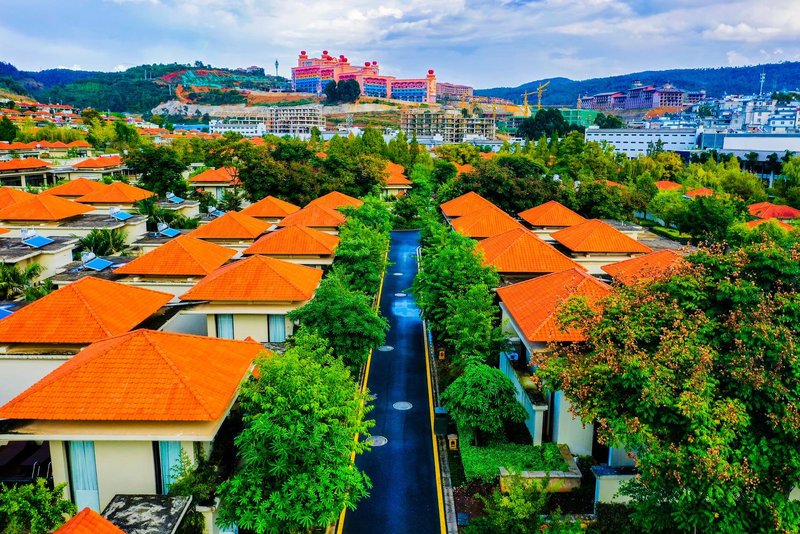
{"points": [[483, 463]]}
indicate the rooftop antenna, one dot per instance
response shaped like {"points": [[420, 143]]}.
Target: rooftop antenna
{"points": [[276, 68], [761, 87]]}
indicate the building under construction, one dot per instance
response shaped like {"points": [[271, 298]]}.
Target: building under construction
{"points": [[447, 125], [261, 120]]}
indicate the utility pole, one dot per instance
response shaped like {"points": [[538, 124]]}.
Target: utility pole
{"points": [[761, 87], [276, 68]]}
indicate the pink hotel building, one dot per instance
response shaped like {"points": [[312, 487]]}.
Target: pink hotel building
{"points": [[312, 74]]}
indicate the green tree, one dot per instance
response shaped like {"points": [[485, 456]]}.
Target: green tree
{"points": [[549, 122], [361, 256], [14, 280], [159, 169], [609, 122], [710, 356], [669, 206], [598, 200], [481, 400], [331, 91], [295, 472], [8, 130], [348, 91], [472, 326], [105, 242], [708, 218], [33, 508], [345, 318]]}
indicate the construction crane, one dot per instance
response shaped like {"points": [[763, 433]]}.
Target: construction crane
{"points": [[463, 101], [539, 90], [526, 112]]}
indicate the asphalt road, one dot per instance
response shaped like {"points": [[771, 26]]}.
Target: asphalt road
{"points": [[404, 496]]}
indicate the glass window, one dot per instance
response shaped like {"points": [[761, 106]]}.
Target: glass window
{"points": [[277, 328], [83, 475], [169, 455], [224, 325]]}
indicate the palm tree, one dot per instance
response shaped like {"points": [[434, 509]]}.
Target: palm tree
{"points": [[105, 242], [15, 280], [39, 290]]}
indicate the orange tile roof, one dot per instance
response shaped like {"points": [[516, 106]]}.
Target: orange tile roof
{"points": [[461, 169], [644, 267], [89, 522], [321, 155], [82, 312], [23, 164], [551, 214], [759, 222], [488, 155], [295, 240], [335, 200], [9, 196], [102, 162], [232, 225], [79, 144], [700, 192], [534, 304], [75, 188], [142, 375], [465, 204], [270, 208], [116, 193], [611, 183], [223, 175], [314, 216], [520, 251], [257, 278], [666, 185], [43, 208], [768, 210], [183, 256], [485, 222], [397, 174], [596, 236]]}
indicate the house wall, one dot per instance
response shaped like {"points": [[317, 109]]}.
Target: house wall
{"points": [[19, 372], [594, 262], [607, 487], [248, 320], [186, 323], [570, 429], [53, 263], [174, 287], [134, 229]]}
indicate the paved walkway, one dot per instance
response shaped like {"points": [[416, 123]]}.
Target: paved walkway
{"points": [[404, 496]]}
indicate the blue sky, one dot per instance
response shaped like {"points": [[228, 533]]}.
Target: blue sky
{"points": [[478, 42]]}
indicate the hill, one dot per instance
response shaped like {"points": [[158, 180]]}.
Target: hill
{"points": [[716, 82]]}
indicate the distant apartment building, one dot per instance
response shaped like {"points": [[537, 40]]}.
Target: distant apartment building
{"points": [[277, 120], [636, 142], [447, 125], [450, 91], [311, 75], [642, 97]]}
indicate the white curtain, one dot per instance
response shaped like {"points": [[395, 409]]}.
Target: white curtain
{"points": [[277, 328], [83, 472], [170, 456], [225, 326]]}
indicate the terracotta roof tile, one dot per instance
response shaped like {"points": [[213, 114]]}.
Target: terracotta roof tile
{"points": [[464, 205], [103, 162], [485, 222], [551, 214], [461, 169], [768, 210], [335, 200], [82, 312], [700, 192], [270, 208], [396, 174], [644, 267], [666, 185], [75, 188], [9, 196], [759, 222], [314, 216], [611, 183], [89, 522], [521, 251], [79, 144], [596, 236], [232, 225], [183, 256], [23, 164], [534, 304], [116, 193], [223, 175], [257, 278], [43, 208], [142, 375], [295, 240]]}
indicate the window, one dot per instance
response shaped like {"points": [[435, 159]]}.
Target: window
{"points": [[224, 325], [83, 475], [277, 328], [169, 460]]}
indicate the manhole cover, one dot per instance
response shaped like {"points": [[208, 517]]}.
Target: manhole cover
{"points": [[398, 274], [399, 294], [377, 441], [402, 405], [385, 348]]}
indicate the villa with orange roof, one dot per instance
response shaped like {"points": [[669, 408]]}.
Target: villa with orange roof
{"points": [[485, 222], [530, 314], [50, 216], [464, 205], [216, 181], [595, 243], [768, 210], [9, 196], [115, 195], [549, 217], [98, 168], [643, 268], [297, 244], [234, 230], [251, 297], [666, 185], [699, 192], [28, 172], [335, 200], [74, 189], [396, 181], [270, 209], [52, 254], [117, 417], [315, 216], [777, 222], [37, 338], [519, 255]]}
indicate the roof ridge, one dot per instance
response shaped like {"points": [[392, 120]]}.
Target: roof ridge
{"points": [[91, 310], [180, 243], [279, 273]]}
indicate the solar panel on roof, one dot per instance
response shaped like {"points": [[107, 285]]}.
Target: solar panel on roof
{"points": [[121, 215], [174, 199], [217, 213], [97, 264], [38, 241], [169, 232]]}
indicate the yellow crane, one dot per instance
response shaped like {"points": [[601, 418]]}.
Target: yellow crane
{"points": [[526, 112], [538, 92]]}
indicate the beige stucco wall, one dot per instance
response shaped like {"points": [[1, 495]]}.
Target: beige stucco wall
{"points": [[19, 372], [249, 320], [608, 486], [593, 263], [124, 467], [53, 263], [134, 229], [569, 429], [172, 286]]}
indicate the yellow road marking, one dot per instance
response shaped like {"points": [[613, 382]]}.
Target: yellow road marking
{"points": [[439, 490]]}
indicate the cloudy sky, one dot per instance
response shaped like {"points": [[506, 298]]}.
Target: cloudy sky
{"points": [[484, 43]]}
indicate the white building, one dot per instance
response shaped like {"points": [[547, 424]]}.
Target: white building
{"points": [[278, 120], [635, 142]]}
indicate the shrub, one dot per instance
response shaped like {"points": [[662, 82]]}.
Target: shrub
{"points": [[483, 463]]}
